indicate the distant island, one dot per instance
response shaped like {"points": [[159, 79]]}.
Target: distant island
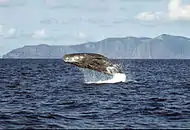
{"points": [[161, 47]]}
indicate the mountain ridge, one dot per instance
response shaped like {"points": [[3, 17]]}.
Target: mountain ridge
{"points": [[164, 46]]}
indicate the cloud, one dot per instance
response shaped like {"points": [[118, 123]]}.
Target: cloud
{"points": [[11, 3], [1, 29], [39, 34], [3, 1], [82, 36], [79, 36], [58, 4], [175, 12], [7, 32], [12, 31], [178, 12], [149, 16]]}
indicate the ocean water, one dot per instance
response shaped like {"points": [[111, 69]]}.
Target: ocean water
{"points": [[52, 94]]}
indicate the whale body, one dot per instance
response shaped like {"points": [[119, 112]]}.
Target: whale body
{"points": [[92, 61]]}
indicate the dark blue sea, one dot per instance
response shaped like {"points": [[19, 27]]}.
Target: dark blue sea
{"points": [[36, 94]]}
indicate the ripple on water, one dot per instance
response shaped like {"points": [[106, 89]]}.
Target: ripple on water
{"points": [[48, 94]]}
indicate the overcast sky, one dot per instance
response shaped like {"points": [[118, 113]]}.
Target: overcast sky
{"points": [[65, 22]]}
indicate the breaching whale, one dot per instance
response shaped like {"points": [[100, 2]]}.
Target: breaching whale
{"points": [[92, 61]]}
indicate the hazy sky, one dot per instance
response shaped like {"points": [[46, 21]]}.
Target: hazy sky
{"points": [[64, 22]]}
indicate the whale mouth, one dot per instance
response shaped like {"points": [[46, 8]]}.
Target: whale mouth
{"points": [[92, 61]]}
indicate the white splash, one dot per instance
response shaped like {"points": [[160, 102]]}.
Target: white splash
{"points": [[117, 77], [94, 77]]}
